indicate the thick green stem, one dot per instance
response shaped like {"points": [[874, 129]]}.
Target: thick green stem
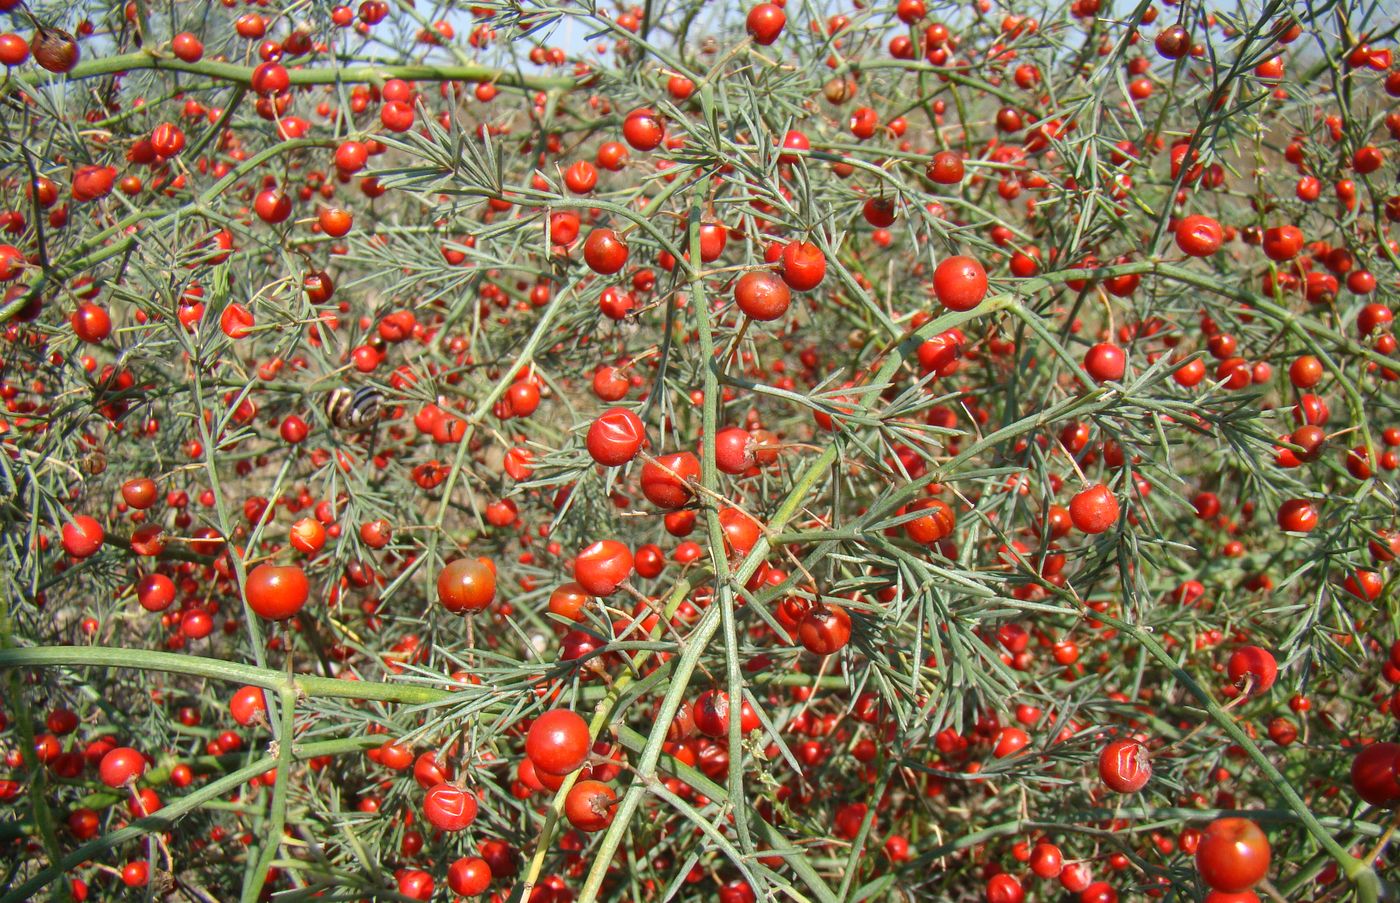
{"points": [[696, 642], [113, 241], [214, 669], [277, 816], [602, 717], [777, 843], [719, 555], [325, 75], [159, 821]]}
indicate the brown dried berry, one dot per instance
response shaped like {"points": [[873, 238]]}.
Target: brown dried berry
{"points": [[54, 49], [839, 90]]}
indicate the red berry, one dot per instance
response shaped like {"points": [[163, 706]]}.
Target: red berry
{"points": [[601, 567], [139, 492], [946, 168], [167, 140], [270, 78], [248, 705], [762, 296], [824, 629], [1004, 888], [558, 742], [14, 51], [466, 585], [334, 221], [1255, 665], [803, 265], [879, 212], [155, 592], [415, 884], [1124, 766], [469, 876], [1297, 516], [1373, 318], [1283, 242], [959, 283], [93, 182], [187, 47], [712, 711], [1105, 362], [589, 806], [616, 437], [1047, 861], [82, 536], [765, 22], [643, 130], [1173, 43], [1199, 236], [734, 450], [449, 807], [581, 177], [933, 526], [1233, 855], [1094, 510], [121, 766], [666, 480], [91, 323], [136, 874], [604, 252], [276, 593], [1375, 774]]}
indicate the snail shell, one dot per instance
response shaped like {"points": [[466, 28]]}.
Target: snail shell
{"points": [[353, 409]]}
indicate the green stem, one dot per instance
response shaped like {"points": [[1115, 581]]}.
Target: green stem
{"points": [[38, 791], [158, 821], [106, 244], [1353, 868], [243, 75], [215, 669], [777, 842], [719, 558], [696, 643], [602, 716], [272, 833]]}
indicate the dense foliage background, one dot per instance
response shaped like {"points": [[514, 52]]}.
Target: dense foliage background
{"points": [[1002, 401]]}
